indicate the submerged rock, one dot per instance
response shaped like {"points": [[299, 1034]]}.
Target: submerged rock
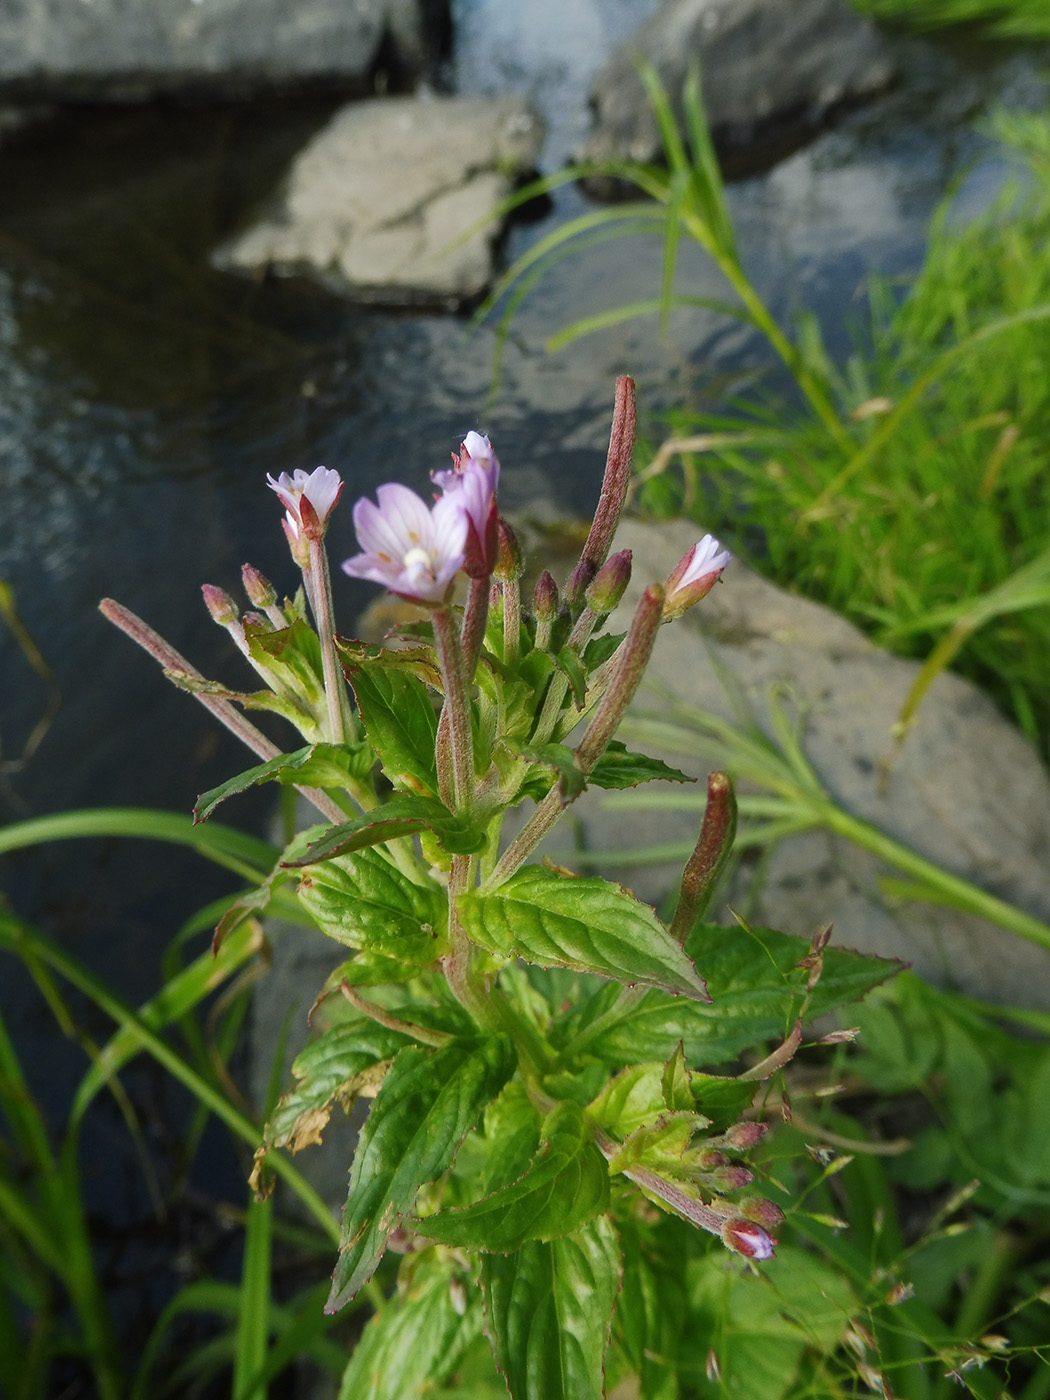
{"points": [[772, 72], [393, 201], [137, 49]]}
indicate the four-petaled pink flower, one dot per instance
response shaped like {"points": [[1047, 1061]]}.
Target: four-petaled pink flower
{"points": [[473, 481], [693, 577], [413, 550], [308, 497]]}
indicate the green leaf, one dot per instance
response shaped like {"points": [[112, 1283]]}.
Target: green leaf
{"points": [[599, 649], [256, 901], [295, 713], [401, 722], [549, 1309], [404, 815], [417, 1339], [293, 655], [650, 1321], [762, 1327], [586, 924], [619, 769], [561, 760], [570, 664], [565, 1186], [366, 901], [369, 970], [428, 1103], [420, 661], [331, 1069], [635, 1096], [757, 992], [512, 1134], [261, 773]]}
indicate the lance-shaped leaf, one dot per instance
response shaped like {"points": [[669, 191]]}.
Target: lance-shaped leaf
{"points": [[330, 1070], [290, 710], [401, 723], [429, 1101], [404, 815], [757, 987], [549, 1311], [363, 899], [260, 773], [617, 768], [315, 765], [566, 1185], [586, 924], [415, 661], [418, 1339]]}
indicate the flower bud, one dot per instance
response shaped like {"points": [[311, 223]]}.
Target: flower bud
{"points": [[695, 574], [297, 542], [761, 1211], [743, 1135], [261, 592], [748, 1239], [545, 598], [509, 564], [731, 1178], [219, 603], [609, 582]]}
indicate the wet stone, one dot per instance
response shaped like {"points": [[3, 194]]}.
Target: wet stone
{"points": [[393, 202]]}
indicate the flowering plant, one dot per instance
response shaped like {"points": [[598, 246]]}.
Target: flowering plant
{"points": [[541, 1049]]}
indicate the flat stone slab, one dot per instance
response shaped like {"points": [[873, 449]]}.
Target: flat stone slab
{"points": [[120, 50], [389, 202], [772, 71]]}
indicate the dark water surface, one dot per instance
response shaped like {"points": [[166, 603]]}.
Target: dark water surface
{"points": [[144, 396]]}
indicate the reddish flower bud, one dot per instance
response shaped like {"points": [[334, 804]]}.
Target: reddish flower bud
{"points": [[748, 1239], [763, 1212], [545, 598], [741, 1136], [219, 603], [695, 574]]}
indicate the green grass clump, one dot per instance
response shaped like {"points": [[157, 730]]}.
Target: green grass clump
{"points": [[1007, 19], [930, 526]]}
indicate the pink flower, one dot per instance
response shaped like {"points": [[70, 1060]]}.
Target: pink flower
{"points": [[474, 478], [413, 550], [308, 497], [745, 1237], [695, 574]]}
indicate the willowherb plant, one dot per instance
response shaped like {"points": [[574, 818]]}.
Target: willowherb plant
{"points": [[537, 1046]]}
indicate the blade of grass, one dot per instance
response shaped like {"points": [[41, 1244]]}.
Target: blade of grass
{"points": [[246, 855]]}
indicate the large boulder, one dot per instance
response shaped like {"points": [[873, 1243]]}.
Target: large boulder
{"points": [[393, 200], [966, 790], [772, 72], [135, 49]]}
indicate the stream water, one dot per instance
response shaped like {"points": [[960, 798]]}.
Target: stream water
{"points": [[144, 396]]}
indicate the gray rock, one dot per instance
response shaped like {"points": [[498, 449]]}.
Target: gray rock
{"points": [[966, 791], [389, 201], [772, 72], [135, 49]]}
